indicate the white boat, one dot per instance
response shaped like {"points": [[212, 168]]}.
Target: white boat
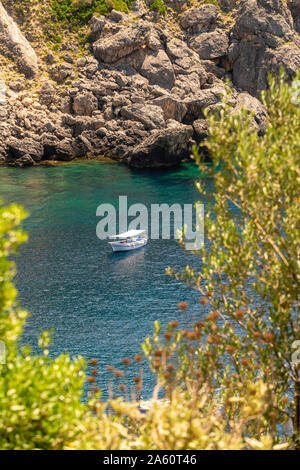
{"points": [[129, 240]]}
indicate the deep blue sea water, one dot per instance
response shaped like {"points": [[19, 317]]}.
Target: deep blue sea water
{"points": [[101, 305]]}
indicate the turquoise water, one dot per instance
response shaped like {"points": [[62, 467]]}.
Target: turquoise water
{"points": [[101, 305]]}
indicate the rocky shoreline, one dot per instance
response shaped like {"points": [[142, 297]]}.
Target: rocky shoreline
{"points": [[139, 92]]}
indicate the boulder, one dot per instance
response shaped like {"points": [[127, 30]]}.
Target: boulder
{"points": [[117, 16], [59, 73], [252, 104], [47, 93], [186, 86], [19, 148], [17, 85], [211, 45], [158, 69], [263, 17], [14, 44], [49, 142], [173, 108], [49, 58], [80, 124], [204, 99], [127, 40], [151, 116], [185, 60], [132, 62], [166, 147], [85, 103], [200, 19], [98, 24], [24, 161], [64, 150], [287, 56], [200, 127]]}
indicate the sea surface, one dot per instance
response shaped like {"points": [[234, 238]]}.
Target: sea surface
{"points": [[101, 305]]}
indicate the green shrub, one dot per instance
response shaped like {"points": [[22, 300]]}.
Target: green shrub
{"points": [[79, 12], [158, 5]]}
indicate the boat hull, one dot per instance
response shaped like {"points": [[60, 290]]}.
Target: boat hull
{"points": [[128, 246]]}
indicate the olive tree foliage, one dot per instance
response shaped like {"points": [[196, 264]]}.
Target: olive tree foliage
{"points": [[250, 271]]}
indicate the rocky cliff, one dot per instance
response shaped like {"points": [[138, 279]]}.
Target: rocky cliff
{"points": [[133, 86]]}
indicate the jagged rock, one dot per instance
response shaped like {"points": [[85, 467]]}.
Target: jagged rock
{"points": [[156, 91], [263, 17], [82, 123], [82, 146], [132, 62], [186, 86], [115, 141], [117, 46], [84, 104], [250, 103], [15, 45], [213, 71], [200, 19], [211, 45], [49, 142], [173, 108], [27, 146], [149, 115], [294, 6], [50, 59], [287, 56], [47, 93], [228, 5], [252, 65], [158, 69], [64, 150], [204, 99], [64, 104], [154, 43], [144, 93], [200, 127], [185, 60], [98, 24], [117, 16], [59, 73], [24, 161], [165, 147], [17, 85], [263, 40]]}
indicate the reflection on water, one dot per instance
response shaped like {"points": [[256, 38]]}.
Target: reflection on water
{"points": [[128, 260]]}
